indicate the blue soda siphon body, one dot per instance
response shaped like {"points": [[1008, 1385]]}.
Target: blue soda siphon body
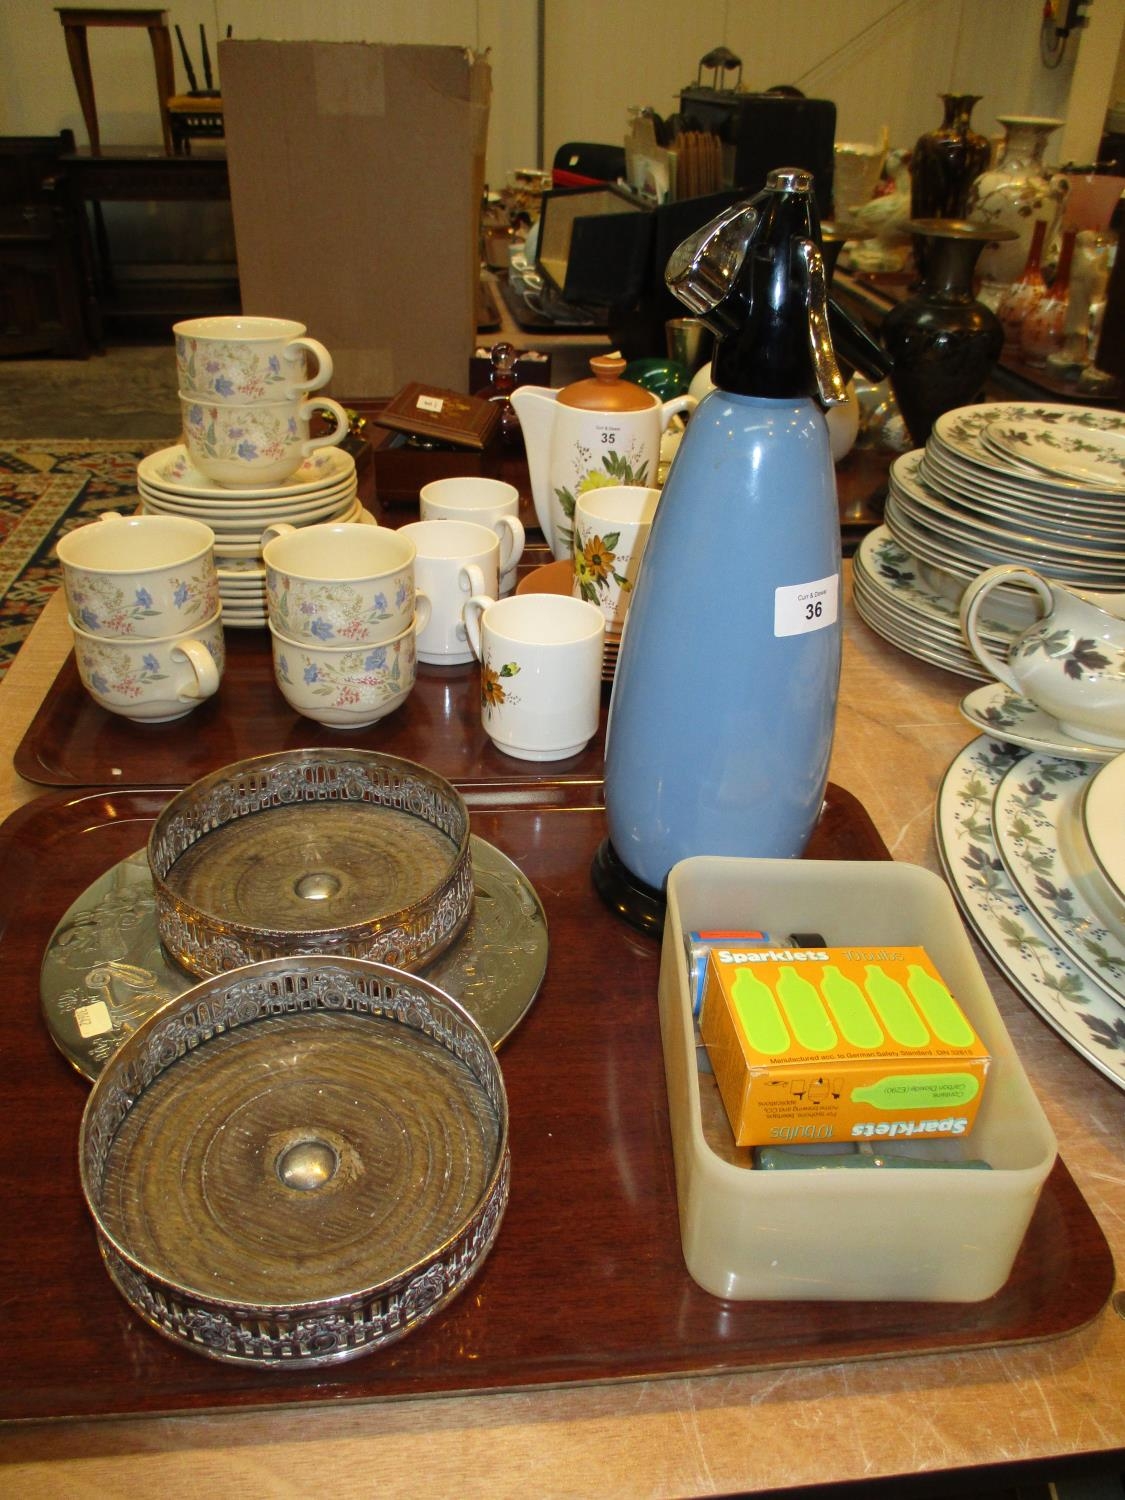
{"points": [[724, 699], [722, 718]]}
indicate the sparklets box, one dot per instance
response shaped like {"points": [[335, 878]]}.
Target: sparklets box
{"points": [[839, 1044]]}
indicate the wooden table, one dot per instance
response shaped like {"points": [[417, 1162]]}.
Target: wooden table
{"points": [[1032, 1410]]}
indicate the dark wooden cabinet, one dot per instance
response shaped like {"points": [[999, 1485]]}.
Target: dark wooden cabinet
{"points": [[46, 301]]}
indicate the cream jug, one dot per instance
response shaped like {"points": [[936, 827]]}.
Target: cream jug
{"points": [[1070, 663], [599, 431]]}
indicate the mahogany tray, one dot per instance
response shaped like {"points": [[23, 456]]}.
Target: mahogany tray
{"points": [[586, 1281], [73, 742]]}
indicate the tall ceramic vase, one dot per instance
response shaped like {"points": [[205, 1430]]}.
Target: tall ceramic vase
{"points": [[942, 341], [1012, 195], [946, 161]]}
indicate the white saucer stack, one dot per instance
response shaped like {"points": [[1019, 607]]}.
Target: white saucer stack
{"points": [[1040, 485], [322, 489]]}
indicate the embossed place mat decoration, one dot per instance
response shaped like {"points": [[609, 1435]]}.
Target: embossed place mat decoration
{"points": [[104, 971], [586, 1281]]}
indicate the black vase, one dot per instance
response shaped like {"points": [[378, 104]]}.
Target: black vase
{"points": [[946, 162], [943, 343]]}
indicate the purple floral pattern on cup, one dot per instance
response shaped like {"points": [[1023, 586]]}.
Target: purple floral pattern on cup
{"points": [[103, 606], [335, 613]]}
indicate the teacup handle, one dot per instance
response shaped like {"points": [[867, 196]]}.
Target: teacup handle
{"points": [[274, 530], [328, 439], [422, 611], [203, 665], [972, 601], [470, 616], [323, 364], [672, 408], [512, 539]]}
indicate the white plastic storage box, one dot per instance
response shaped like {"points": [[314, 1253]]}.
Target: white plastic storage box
{"points": [[882, 1235]]}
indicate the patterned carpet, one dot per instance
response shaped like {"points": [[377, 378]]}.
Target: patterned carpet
{"points": [[47, 488]]}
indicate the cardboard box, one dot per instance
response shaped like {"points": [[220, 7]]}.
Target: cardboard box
{"points": [[839, 1044], [356, 177]]}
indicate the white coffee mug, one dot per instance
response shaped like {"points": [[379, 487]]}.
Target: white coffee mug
{"points": [[258, 444], [453, 560], [242, 360], [152, 680], [611, 528], [341, 583], [488, 502], [541, 672], [139, 576]]}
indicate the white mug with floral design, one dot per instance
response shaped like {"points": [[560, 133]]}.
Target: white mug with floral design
{"points": [[152, 681], [261, 443], [488, 502], [611, 527], [540, 672], [341, 583], [139, 576], [345, 687], [241, 360], [455, 559]]}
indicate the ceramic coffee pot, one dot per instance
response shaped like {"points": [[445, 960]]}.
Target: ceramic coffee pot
{"points": [[1070, 663], [599, 431]]}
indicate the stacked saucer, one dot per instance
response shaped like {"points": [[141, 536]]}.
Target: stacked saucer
{"points": [[1001, 482], [322, 489]]}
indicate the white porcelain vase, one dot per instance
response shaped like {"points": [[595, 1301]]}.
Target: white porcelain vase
{"points": [[1013, 194]]}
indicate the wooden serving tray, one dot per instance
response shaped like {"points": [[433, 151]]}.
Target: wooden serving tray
{"points": [[587, 1281], [72, 741]]}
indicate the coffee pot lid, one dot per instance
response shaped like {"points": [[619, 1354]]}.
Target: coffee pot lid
{"points": [[605, 390]]}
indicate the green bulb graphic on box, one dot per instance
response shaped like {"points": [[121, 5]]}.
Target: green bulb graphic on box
{"points": [[804, 1010], [759, 1015], [849, 1008], [893, 1006], [939, 1008]]}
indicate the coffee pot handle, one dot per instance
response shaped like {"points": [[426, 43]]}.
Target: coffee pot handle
{"points": [[972, 601]]}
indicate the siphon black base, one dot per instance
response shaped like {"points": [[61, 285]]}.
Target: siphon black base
{"points": [[625, 894]]}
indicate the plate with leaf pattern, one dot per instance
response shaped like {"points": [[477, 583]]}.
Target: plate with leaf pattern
{"points": [[1036, 814], [1084, 1014], [1064, 449]]}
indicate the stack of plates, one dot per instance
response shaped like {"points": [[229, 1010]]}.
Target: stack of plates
{"points": [[1033, 848], [1002, 482], [322, 489], [896, 596]]}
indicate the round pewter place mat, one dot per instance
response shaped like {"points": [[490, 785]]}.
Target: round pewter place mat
{"points": [[104, 970]]}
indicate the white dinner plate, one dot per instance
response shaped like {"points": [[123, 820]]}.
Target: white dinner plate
{"points": [[1103, 822]]}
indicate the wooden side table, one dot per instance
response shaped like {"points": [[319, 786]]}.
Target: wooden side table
{"points": [[76, 20]]}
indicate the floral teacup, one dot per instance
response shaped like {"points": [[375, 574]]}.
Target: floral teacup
{"points": [[152, 680], [257, 444], [345, 687], [247, 359], [139, 576], [342, 583]]}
